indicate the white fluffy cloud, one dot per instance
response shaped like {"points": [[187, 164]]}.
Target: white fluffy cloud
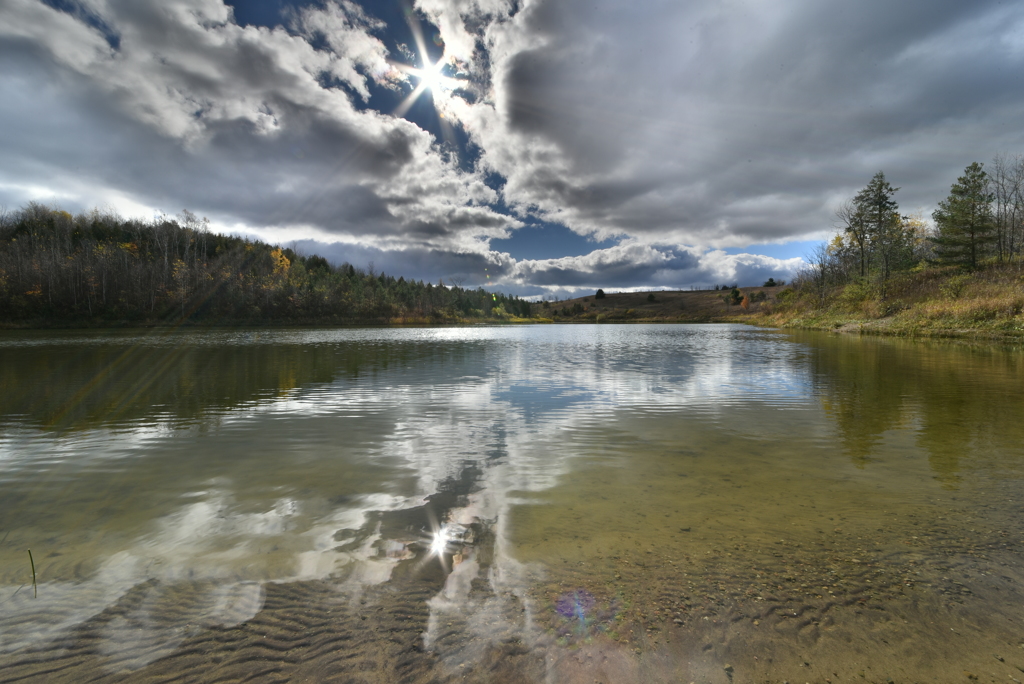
{"points": [[677, 129], [626, 266], [244, 123]]}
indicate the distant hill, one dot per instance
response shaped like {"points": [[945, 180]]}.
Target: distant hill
{"points": [[685, 306]]}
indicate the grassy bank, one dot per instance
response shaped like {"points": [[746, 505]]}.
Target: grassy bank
{"points": [[931, 301]]}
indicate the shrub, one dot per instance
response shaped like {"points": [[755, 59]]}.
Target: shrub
{"points": [[651, 297], [891, 307], [599, 294], [856, 293], [955, 286]]}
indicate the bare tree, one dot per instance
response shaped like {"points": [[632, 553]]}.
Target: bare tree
{"points": [[1007, 180], [820, 271], [851, 221]]}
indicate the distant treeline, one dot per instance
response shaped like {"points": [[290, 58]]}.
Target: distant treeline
{"points": [[98, 267]]}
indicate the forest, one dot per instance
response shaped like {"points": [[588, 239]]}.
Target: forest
{"points": [[97, 268]]}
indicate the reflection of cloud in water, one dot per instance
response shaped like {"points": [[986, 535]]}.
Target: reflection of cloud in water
{"points": [[502, 612], [546, 404], [534, 402], [203, 566], [512, 408]]}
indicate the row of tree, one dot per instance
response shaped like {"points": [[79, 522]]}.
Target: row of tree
{"points": [[96, 266], [982, 218]]}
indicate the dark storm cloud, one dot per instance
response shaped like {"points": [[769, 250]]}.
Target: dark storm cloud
{"points": [[621, 266], [746, 121], [468, 269], [289, 179]]}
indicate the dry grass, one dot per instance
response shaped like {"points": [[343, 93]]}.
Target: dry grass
{"points": [[928, 301]]}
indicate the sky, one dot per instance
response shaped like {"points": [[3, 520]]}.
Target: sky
{"points": [[543, 148]]}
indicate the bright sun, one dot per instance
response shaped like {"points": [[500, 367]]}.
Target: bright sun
{"points": [[430, 76], [430, 79]]}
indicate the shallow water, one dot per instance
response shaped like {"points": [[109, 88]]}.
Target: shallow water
{"points": [[545, 503]]}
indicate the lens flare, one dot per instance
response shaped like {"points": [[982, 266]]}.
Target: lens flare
{"points": [[579, 615]]}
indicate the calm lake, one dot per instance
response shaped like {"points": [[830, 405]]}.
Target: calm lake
{"points": [[663, 503]]}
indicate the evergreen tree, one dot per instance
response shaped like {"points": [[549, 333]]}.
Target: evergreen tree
{"points": [[876, 206], [880, 224], [964, 219]]}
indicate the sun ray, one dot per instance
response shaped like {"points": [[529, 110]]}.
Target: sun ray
{"points": [[417, 34], [402, 108]]}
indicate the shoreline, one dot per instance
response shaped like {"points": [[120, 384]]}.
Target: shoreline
{"points": [[879, 327], [889, 327]]}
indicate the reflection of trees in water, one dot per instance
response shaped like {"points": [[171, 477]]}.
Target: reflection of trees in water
{"points": [[963, 402], [69, 386], [861, 397]]}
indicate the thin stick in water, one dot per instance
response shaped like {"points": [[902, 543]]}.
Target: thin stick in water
{"points": [[35, 593]]}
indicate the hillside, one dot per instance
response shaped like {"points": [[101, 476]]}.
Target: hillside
{"points": [[100, 270], [667, 306], [927, 301]]}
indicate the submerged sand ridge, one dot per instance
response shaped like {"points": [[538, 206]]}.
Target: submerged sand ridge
{"points": [[821, 577], [790, 612], [943, 607]]}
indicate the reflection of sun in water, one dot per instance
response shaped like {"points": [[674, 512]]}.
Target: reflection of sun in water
{"points": [[439, 545], [446, 542]]}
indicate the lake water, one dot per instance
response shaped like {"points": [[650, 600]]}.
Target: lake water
{"points": [[664, 503]]}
